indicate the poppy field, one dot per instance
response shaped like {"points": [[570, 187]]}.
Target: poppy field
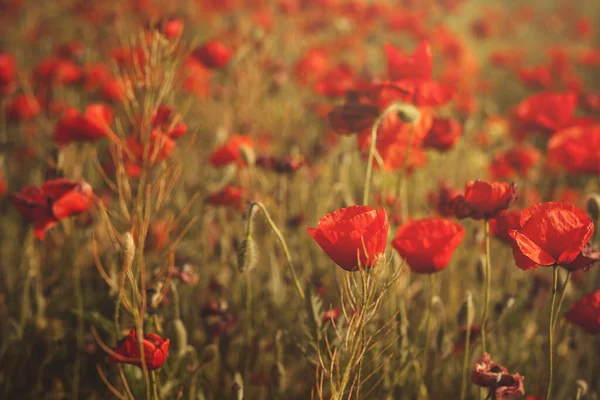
{"points": [[299, 199]]}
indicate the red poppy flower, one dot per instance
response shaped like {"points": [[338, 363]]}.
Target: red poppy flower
{"points": [[90, 126], [284, 165], [94, 75], [167, 119], [576, 149], [213, 54], [335, 82], [23, 108], [56, 71], [502, 384], [484, 200], [232, 152], [418, 65], [427, 245], [52, 201], [505, 222], [230, 196], [442, 200], [539, 77], [156, 350], [515, 161], [353, 116], [353, 235], [546, 111], [443, 135], [165, 145], [331, 316], [312, 65], [586, 313], [8, 73], [3, 185], [459, 344], [550, 234], [584, 261]]}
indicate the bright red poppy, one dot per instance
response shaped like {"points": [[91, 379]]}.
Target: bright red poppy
{"points": [[90, 126], [443, 135], [550, 234], [546, 111], [515, 161], [52, 201], [503, 223], [169, 122], [229, 196], [156, 350], [427, 245], [213, 54], [232, 152], [352, 236], [23, 108], [484, 200], [585, 313]]}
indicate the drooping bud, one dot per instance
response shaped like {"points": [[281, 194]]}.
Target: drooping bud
{"points": [[247, 255], [593, 206], [408, 113]]}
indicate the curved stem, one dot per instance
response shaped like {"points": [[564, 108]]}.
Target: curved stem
{"points": [[551, 335], [286, 251], [373, 149], [488, 282]]}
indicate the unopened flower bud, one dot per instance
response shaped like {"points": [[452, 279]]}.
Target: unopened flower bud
{"points": [[593, 206], [247, 255], [408, 113]]}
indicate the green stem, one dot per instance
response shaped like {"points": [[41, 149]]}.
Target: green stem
{"points": [[402, 184], [560, 300], [551, 334], [80, 333], [155, 385], [465, 367], [488, 283], [428, 321], [372, 149], [286, 251]]}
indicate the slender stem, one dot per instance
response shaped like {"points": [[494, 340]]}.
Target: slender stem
{"points": [[286, 251], [372, 149], [560, 300], [551, 334], [428, 321], [155, 385], [488, 283], [402, 184], [80, 333], [465, 368]]}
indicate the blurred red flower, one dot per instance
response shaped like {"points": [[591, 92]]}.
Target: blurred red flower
{"points": [[57, 71], [3, 185], [169, 122], [442, 200], [23, 108], [586, 313], [427, 245], [512, 162], [8, 73], [312, 65], [502, 384], [545, 111], [90, 126], [230, 196], [354, 116], [156, 350], [576, 149], [213, 54], [550, 234], [232, 152], [484, 200], [539, 77], [52, 201], [352, 235], [443, 135], [505, 222]]}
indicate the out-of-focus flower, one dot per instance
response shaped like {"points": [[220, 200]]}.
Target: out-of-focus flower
{"points": [[546, 111], [354, 115], [443, 135], [352, 236], [585, 313], [503, 223], [156, 350], [427, 245], [90, 126], [232, 152], [502, 384], [512, 162], [442, 199], [23, 108], [229, 196], [8, 73], [576, 149], [52, 201], [213, 54], [284, 165]]}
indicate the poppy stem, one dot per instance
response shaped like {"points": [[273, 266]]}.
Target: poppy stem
{"points": [[465, 368], [560, 300], [488, 283], [551, 334], [286, 251], [373, 149], [402, 183], [428, 322], [154, 385]]}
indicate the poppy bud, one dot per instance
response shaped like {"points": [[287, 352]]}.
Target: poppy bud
{"points": [[182, 336], [247, 255], [408, 113], [593, 206], [209, 353], [129, 250]]}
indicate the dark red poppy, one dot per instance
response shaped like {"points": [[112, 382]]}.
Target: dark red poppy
{"points": [[484, 200], [229, 196], [505, 222], [443, 135], [550, 234], [585, 313], [8, 73], [169, 122], [442, 199], [156, 350], [52, 201], [23, 108], [353, 116], [576, 149], [352, 236], [232, 152], [331, 315], [502, 384], [427, 245], [282, 165], [3, 185], [512, 162], [584, 261], [92, 125], [213, 54], [546, 111], [539, 77]]}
